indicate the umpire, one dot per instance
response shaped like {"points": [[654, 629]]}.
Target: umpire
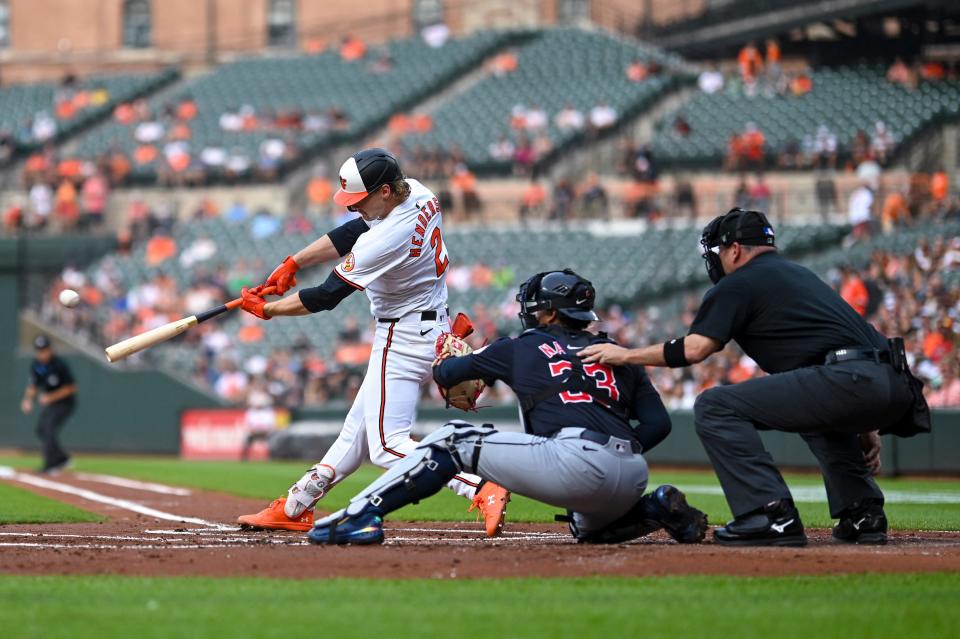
{"points": [[58, 394], [833, 379]]}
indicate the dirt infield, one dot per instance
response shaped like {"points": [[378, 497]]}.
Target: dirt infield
{"points": [[155, 530]]}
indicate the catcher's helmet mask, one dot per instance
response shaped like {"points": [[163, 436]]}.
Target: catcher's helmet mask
{"points": [[737, 225], [564, 291]]}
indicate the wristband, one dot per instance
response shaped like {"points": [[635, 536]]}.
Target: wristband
{"points": [[674, 354]]}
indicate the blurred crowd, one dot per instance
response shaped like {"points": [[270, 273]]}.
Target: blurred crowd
{"points": [[761, 74]]}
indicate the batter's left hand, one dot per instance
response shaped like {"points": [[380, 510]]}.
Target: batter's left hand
{"points": [[609, 354], [871, 443], [253, 303]]}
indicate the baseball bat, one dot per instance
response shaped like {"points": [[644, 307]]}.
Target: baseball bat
{"points": [[137, 343]]}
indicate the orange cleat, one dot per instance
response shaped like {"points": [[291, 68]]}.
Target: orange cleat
{"points": [[273, 518], [491, 500]]}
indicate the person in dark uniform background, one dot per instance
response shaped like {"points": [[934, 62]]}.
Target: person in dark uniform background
{"points": [[51, 378], [833, 379]]}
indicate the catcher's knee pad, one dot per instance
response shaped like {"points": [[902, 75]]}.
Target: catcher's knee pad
{"points": [[420, 474], [308, 490], [462, 440]]}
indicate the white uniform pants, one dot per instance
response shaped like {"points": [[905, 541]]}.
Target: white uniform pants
{"points": [[380, 419]]}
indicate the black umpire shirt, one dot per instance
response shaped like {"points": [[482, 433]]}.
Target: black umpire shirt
{"points": [[51, 376], [782, 315]]}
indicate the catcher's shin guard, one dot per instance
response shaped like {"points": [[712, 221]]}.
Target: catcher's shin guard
{"points": [[422, 473]]}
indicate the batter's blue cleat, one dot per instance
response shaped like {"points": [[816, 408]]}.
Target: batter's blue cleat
{"points": [[363, 529]]}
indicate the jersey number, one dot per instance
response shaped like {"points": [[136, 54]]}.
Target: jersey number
{"points": [[440, 255], [600, 372]]}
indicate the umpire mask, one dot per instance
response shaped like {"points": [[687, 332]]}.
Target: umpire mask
{"points": [[565, 291], [738, 225]]}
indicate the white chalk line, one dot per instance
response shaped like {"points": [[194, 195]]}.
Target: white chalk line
{"points": [[121, 547], [221, 540], [125, 504], [132, 483]]}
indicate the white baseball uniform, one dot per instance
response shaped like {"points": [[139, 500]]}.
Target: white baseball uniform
{"points": [[401, 264]]}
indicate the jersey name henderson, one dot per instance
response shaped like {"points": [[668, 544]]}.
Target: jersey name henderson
{"points": [[401, 262]]}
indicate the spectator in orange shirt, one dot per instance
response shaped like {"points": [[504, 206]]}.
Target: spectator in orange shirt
{"points": [[753, 141], [465, 182], [187, 109], [735, 154], [160, 248], [66, 204], [939, 187], [637, 71], [124, 113], [119, 167], [801, 84], [773, 52], [750, 62], [319, 193], [854, 291], [937, 343], [352, 48], [895, 211], [422, 123], [145, 154], [70, 169], [504, 63], [399, 124]]}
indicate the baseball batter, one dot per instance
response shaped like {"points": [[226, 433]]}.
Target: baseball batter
{"points": [[579, 452], [395, 253]]}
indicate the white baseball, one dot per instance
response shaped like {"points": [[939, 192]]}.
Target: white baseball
{"points": [[69, 297]]}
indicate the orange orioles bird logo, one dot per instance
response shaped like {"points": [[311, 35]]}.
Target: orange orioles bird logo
{"points": [[348, 263], [343, 183]]}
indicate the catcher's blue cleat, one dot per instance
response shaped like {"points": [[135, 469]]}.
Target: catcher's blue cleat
{"points": [[363, 529]]}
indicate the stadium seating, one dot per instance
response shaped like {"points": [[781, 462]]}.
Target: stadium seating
{"points": [[845, 98], [309, 83], [20, 103], [560, 66]]}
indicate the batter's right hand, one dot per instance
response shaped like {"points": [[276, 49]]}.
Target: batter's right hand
{"points": [[253, 303], [26, 406], [282, 279]]}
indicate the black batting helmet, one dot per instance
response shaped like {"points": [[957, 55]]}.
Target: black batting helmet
{"points": [[564, 291], [365, 172]]}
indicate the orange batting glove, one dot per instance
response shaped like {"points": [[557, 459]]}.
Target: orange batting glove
{"points": [[283, 278], [253, 303]]}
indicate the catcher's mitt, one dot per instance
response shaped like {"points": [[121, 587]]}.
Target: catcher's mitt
{"points": [[463, 395]]}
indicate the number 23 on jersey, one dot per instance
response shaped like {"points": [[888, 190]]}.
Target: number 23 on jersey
{"points": [[601, 373]]}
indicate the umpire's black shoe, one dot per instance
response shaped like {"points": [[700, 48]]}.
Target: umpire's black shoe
{"points": [[776, 524], [864, 523]]}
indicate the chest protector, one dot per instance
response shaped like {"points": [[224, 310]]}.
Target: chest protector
{"points": [[576, 380]]}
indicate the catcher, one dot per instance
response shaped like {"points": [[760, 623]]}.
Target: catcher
{"points": [[579, 451]]}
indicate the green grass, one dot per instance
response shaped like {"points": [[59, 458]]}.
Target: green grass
{"points": [[850, 607], [19, 506], [267, 480]]}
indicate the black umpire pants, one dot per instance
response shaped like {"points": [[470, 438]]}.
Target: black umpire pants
{"points": [[826, 405], [49, 424]]}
